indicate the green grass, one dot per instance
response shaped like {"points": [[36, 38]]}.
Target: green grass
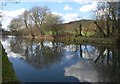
{"points": [[8, 74], [88, 34], [48, 33], [83, 34]]}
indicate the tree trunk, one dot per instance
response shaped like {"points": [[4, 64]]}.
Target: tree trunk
{"points": [[76, 32], [99, 28], [113, 27], [85, 33], [108, 28], [29, 29], [80, 27]]}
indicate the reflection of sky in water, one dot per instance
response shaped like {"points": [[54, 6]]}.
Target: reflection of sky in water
{"points": [[84, 71], [47, 43], [6, 45], [27, 73], [69, 49], [66, 61]]}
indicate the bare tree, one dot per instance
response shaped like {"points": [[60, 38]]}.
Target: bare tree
{"points": [[16, 24], [107, 13], [52, 23], [26, 20], [38, 14], [101, 17], [80, 29]]}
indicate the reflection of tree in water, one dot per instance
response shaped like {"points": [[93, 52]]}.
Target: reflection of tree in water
{"points": [[108, 64], [37, 54], [4, 38], [17, 45], [106, 59], [101, 64]]}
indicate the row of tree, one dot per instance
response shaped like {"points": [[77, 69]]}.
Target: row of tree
{"points": [[34, 20]]}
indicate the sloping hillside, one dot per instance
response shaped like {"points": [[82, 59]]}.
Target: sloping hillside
{"points": [[86, 25]]}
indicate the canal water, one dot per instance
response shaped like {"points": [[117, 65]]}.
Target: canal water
{"points": [[46, 61]]}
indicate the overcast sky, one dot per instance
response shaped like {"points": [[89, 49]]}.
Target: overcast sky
{"points": [[70, 10]]}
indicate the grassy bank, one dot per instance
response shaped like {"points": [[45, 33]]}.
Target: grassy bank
{"points": [[73, 39], [8, 74], [0, 63]]}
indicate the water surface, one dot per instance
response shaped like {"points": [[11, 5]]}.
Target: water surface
{"points": [[48, 61]]}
